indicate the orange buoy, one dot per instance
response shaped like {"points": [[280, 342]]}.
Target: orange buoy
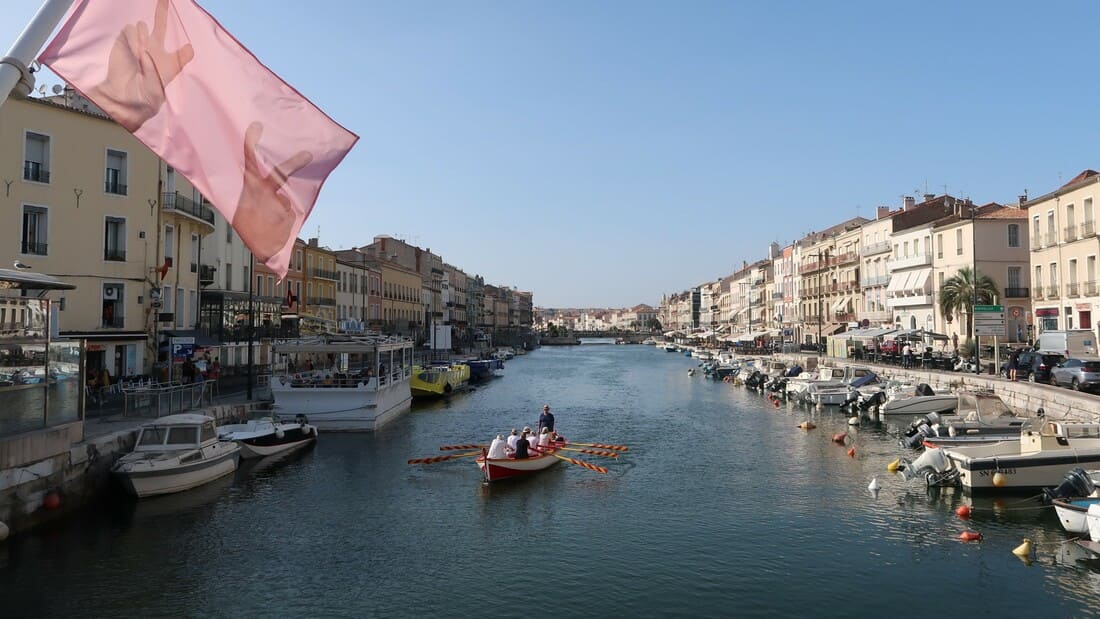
{"points": [[840, 437], [52, 501], [776, 402], [807, 425], [970, 536], [851, 452], [963, 512]]}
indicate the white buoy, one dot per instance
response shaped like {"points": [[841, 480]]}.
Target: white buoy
{"points": [[873, 486], [3, 531], [853, 421]]}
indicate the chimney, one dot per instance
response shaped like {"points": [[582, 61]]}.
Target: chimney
{"points": [[882, 211], [928, 197], [908, 203], [313, 242], [1021, 199]]}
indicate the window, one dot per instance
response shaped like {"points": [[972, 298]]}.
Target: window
{"points": [[1035, 236], [1090, 271], [194, 253], [112, 306], [939, 245], [1071, 232], [1014, 274], [193, 305], [34, 230], [169, 244], [271, 286], [114, 244], [167, 299], [259, 285], [1038, 282], [298, 260], [1071, 272], [958, 241], [1087, 207], [245, 281], [181, 319], [228, 276], [1013, 235], [183, 435], [1051, 233], [228, 234], [115, 176], [1053, 273], [36, 158]]}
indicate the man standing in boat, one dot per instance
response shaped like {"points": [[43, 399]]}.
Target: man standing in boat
{"points": [[546, 419]]}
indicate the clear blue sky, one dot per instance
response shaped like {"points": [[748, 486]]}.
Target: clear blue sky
{"points": [[601, 154]]}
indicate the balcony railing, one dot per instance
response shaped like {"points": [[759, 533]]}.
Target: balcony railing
{"points": [[113, 322], [777, 296], [1088, 229], [844, 317], [37, 249], [875, 280], [1037, 293], [33, 171], [1072, 290], [1050, 239], [114, 254], [320, 301], [324, 274], [876, 316], [1017, 293], [852, 284], [1036, 242], [847, 258], [810, 267], [206, 274], [1090, 289], [173, 201], [911, 261], [116, 188], [1069, 234], [1052, 291], [876, 248]]}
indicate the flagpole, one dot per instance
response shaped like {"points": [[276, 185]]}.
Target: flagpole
{"points": [[13, 66], [251, 318]]}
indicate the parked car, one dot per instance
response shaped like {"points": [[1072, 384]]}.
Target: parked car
{"points": [[1081, 373], [1033, 366]]}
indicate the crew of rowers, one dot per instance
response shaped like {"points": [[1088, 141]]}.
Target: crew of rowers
{"points": [[520, 445]]}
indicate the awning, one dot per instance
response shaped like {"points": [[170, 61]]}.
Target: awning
{"points": [[918, 282], [841, 304], [201, 339], [897, 282]]}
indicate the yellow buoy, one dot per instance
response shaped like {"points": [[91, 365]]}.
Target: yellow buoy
{"points": [[1023, 550], [999, 480], [893, 466]]}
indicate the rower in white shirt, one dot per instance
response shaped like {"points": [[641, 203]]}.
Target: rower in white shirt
{"points": [[512, 438], [498, 449]]}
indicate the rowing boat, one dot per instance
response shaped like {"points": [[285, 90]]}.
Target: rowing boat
{"points": [[499, 469]]}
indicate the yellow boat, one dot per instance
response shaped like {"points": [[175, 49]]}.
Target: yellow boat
{"points": [[438, 380]]}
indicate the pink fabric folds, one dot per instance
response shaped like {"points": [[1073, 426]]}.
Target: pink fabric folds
{"points": [[170, 74]]}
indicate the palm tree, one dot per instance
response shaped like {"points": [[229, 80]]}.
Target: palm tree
{"points": [[957, 295]]}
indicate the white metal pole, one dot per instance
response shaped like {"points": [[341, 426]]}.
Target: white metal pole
{"points": [[30, 41]]}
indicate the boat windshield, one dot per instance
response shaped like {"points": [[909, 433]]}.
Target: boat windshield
{"points": [[992, 407], [153, 435], [183, 435]]}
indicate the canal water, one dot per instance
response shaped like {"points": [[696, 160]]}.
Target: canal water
{"points": [[721, 508]]}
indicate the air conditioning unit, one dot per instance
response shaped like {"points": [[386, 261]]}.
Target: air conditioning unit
{"points": [[110, 294]]}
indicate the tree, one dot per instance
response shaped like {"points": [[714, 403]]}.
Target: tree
{"points": [[957, 295], [654, 325]]}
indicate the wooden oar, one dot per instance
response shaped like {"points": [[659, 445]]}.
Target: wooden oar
{"points": [[454, 447], [434, 459], [591, 467], [600, 446], [606, 454]]}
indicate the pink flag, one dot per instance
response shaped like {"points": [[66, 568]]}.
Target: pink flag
{"points": [[170, 74]]}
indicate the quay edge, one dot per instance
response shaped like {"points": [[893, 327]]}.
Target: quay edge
{"points": [[47, 473]]}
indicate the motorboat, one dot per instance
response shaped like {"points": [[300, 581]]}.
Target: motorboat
{"points": [[1038, 458], [176, 453], [670, 347], [649, 341], [364, 386], [260, 438], [980, 417], [913, 401], [435, 381], [505, 353], [484, 369], [1073, 498], [830, 389]]}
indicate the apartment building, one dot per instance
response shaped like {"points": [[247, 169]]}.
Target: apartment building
{"points": [[875, 250]]}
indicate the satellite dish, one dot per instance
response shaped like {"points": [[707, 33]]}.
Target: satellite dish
{"points": [[57, 88]]}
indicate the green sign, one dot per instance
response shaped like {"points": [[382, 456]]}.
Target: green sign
{"points": [[989, 308]]}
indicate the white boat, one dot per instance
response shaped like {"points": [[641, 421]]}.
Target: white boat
{"points": [[365, 385], [176, 453], [1037, 459], [914, 401], [835, 385], [649, 342], [981, 417], [260, 438]]}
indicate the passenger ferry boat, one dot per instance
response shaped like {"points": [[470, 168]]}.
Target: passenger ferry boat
{"points": [[345, 383], [439, 380]]}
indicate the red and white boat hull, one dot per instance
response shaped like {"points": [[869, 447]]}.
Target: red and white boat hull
{"points": [[498, 469]]}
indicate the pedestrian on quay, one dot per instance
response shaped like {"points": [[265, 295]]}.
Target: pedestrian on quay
{"points": [[1014, 363], [907, 356]]}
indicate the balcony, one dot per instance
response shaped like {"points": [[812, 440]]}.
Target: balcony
{"points": [[810, 267], [844, 317], [776, 296], [1073, 290], [1069, 234], [1088, 229], [1037, 294], [1050, 239], [1090, 289], [37, 249], [875, 280], [847, 258], [174, 202], [876, 248], [323, 274], [852, 284], [114, 187], [907, 262], [1017, 293], [113, 322], [33, 171], [325, 301], [876, 317], [1052, 291], [1036, 242], [114, 254], [920, 299]]}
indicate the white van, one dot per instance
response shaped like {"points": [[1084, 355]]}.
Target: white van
{"points": [[1072, 343]]}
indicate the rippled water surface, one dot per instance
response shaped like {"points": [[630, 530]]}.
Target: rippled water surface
{"points": [[722, 507]]}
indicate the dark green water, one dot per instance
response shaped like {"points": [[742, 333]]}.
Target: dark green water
{"points": [[721, 508]]}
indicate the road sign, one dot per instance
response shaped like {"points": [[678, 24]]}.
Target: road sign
{"points": [[978, 309], [182, 347], [989, 320]]}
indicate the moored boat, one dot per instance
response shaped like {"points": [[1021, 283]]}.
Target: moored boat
{"points": [[439, 380], [484, 369], [364, 386], [176, 453], [260, 438]]}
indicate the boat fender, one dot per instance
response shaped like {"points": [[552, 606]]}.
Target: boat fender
{"points": [[851, 452], [279, 434], [840, 437], [1023, 550], [853, 421], [999, 479], [963, 512], [807, 425], [52, 500], [971, 536]]}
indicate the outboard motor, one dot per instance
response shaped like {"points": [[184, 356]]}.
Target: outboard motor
{"points": [[920, 429], [936, 468], [876, 399], [924, 389], [794, 370], [1077, 483], [778, 385]]}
